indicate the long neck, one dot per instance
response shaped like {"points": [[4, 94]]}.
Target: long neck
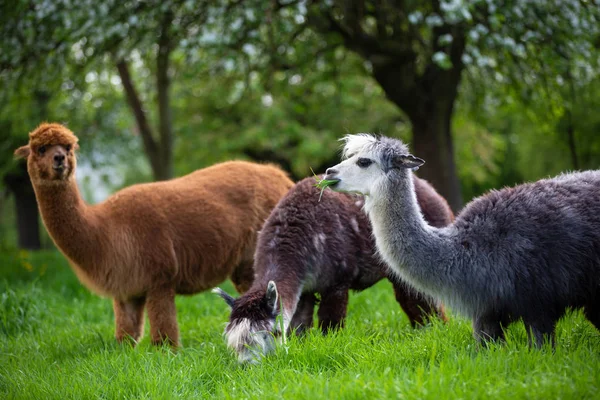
{"points": [[417, 252], [69, 221]]}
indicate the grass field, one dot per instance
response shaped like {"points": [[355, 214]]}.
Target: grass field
{"points": [[56, 341]]}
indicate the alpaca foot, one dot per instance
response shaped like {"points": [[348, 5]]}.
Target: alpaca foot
{"points": [[332, 310], [129, 320], [539, 334], [303, 317], [163, 317], [418, 307], [487, 330], [592, 313]]}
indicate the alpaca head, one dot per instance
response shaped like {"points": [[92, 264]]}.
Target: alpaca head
{"points": [[50, 153], [251, 328], [367, 162]]}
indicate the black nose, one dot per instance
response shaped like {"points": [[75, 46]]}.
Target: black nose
{"points": [[330, 171], [59, 157]]}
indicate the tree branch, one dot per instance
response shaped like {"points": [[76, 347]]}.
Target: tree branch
{"points": [[135, 104]]}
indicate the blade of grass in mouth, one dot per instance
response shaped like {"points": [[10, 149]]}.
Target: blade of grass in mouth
{"points": [[322, 183]]}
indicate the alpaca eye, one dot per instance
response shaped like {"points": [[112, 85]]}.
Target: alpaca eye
{"points": [[364, 162], [68, 147], [42, 150]]}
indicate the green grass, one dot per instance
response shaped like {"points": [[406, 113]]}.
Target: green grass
{"points": [[56, 342]]}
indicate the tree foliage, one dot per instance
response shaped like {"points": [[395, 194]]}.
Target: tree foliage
{"points": [[417, 52], [489, 93]]}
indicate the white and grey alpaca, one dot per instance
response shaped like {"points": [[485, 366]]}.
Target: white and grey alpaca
{"points": [[527, 252]]}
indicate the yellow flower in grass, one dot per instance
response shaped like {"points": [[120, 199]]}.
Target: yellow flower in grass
{"points": [[27, 265], [24, 257]]}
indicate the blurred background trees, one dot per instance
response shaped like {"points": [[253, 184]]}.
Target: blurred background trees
{"points": [[489, 93]]}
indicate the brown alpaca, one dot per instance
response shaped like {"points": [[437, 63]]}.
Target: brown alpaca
{"points": [[149, 242]]}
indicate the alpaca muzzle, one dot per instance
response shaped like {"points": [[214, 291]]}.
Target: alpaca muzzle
{"points": [[59, 162], [59, 167], [331, 175], [331, 180]]}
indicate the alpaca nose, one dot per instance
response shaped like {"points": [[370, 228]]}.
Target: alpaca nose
{"points": [[330, 171], [58, 158]]}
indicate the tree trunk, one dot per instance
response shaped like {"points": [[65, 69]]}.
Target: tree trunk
{"points": [[432, 141], [428, 101], [571, 139], [163, 83], [18, 182], [571, 123], [28, 226]]}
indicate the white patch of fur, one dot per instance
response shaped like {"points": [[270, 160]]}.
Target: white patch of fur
{"points": [[319, 242], [236, 336], [250, 346], [353, 144], [354, 224]]}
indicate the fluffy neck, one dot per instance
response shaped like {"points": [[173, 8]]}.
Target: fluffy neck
{"points": [[420, 254], [70, 222]]}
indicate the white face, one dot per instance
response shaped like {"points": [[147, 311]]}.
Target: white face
{"points": [[251, 341], [358, 174]]}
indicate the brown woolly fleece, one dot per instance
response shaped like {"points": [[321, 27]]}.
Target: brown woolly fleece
{"points": [[149, 242]]}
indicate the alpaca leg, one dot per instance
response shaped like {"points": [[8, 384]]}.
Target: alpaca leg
{"points": [[538, 333], [290, 290], [592, 313], [129, 319], [243, 276], [332, 310], [162, 314], [486, 329], [416, 306], [303, 317]]}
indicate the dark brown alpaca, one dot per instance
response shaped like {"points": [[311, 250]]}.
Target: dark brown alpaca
{"points": [[149, 242], [308, 247]]}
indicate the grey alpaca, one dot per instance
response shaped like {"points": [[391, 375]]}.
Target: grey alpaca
{"points": [[527, 252], [317, 246]]}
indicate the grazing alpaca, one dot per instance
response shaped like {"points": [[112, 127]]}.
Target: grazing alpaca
{"points": [[526, 252], [314, 246], [151, 241]]}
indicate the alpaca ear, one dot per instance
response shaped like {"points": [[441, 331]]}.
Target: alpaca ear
{"points": [[22, 152], [228, 299], [408, 161], [272, 296]]}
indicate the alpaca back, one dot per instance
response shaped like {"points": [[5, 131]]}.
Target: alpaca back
{"points": [[538, 243], [195, 229]]}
